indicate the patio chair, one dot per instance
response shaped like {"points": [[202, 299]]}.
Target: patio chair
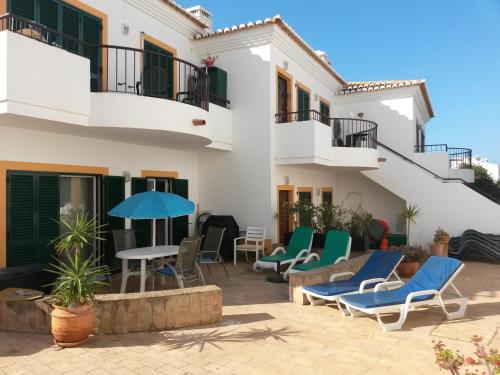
{"points": [[252, 242], [379, 267], [337, 249], [210, 249], [186, 268], [426, 287], [298, 250]]}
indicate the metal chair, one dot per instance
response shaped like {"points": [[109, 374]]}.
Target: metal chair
{"points": [[186, 268], [210, 249]]}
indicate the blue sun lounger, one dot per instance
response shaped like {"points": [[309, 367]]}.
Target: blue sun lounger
{"points": [[425, 288], [379, 267]]}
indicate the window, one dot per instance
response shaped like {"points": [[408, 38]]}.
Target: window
{"points": [[324, 110], [303, 103], [327, 196]]}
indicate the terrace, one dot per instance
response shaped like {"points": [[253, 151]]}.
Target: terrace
{"points": [[261, 329]]}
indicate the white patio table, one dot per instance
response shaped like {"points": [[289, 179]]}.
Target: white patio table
{"points": [[142, 254]]}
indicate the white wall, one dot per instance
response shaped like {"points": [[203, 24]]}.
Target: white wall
{"points": [[452, 206], [42, 81], [45, 147]]}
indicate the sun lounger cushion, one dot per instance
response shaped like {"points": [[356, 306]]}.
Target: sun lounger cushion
{"points": [[433, 275], [380, 264], [301, 239]]}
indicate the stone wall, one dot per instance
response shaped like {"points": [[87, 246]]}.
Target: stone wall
{"points": [[125, 313], [320, 275]]}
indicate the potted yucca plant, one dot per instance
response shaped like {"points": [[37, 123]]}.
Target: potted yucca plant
{"points": [[78, 278]]}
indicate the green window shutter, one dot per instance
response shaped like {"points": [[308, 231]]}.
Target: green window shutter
{"points": [[91, 34], [20, 219], [49, 16], [302, 104], [70, 26], [217, 82], [114, 193], [180, 225], [142, 227], [23, 8], [305, 196], [158, 75], [48, 216]]}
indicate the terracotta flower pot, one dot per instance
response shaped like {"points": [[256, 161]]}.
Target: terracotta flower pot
{"points": [[408, 269], [439, 249], [71, 326]]}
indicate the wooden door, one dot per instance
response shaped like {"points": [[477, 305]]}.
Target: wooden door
{"points": [[285, 226], [282, 98]]}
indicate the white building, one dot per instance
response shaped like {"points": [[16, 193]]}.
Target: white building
{"points": [[492, 168], [281, 122]]}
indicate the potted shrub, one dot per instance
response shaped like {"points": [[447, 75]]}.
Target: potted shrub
{"points": [[439, 246], [413, 256], [77, 280], [358, 225], [299, 213], [328, 217]]}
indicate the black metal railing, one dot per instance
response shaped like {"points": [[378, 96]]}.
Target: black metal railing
{"points": [[124, 69], [301, 116], [217, 100], [346, 132], [349, 132], [458, 157]]}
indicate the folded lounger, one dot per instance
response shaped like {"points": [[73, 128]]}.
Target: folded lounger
{"points": [[337, 249], [379, 267], [298, 249], [426, 287]]}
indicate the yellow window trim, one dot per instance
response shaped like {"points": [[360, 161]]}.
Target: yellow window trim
{"points": [[150, 39], [289, 78], [6, 166], [304, 190], [321, 99], [159, 174], [291, 190]]}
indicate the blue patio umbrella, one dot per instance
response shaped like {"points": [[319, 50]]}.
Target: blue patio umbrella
{"points": [[153, 205]]}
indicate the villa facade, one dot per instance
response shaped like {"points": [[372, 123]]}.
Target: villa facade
{"points": [[271, 122]]}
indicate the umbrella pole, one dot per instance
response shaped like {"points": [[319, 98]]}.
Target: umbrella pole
{"points": [[154, 234]]}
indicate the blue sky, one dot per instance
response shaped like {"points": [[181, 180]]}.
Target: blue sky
{"points": [[453, 44]]}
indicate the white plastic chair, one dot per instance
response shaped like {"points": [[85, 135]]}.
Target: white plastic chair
{"points": [[252, 242]]}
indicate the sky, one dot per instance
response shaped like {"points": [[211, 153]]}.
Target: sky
{"points": [[453, 44]]}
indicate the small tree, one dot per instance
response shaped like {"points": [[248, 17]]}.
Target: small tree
{"points": [[409, 215]]}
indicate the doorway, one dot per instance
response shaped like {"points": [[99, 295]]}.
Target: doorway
{"points": [[282, 99], [285, 225]]}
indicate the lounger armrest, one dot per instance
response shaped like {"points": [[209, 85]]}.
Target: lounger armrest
{"points": [[340, 274], [302, 253], [278, 250], [388, 285], [412, 295], [340, 259], [311, 257], [364, 283]]}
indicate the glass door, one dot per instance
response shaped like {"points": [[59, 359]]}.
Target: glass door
{"points": [[78, 195]]}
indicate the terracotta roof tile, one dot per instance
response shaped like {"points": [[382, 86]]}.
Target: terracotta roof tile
{"points": [[370, 86]]}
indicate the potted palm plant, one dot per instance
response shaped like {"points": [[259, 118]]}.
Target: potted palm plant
{"points": [[328, 216], [439, 247], [409, 215], [358, 226], [299, 213], [77, 280]]}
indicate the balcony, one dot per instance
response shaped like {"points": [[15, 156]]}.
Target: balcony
{"points": [[125, 93], [310, 138], [447, 162]]}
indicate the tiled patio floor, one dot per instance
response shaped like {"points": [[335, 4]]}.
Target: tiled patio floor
{"points": [[262, 332]]}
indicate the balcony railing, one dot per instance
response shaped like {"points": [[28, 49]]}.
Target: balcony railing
{"points": [[458, 157], [301, 116], [217, 100], [346, 132], [128, 70]]}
